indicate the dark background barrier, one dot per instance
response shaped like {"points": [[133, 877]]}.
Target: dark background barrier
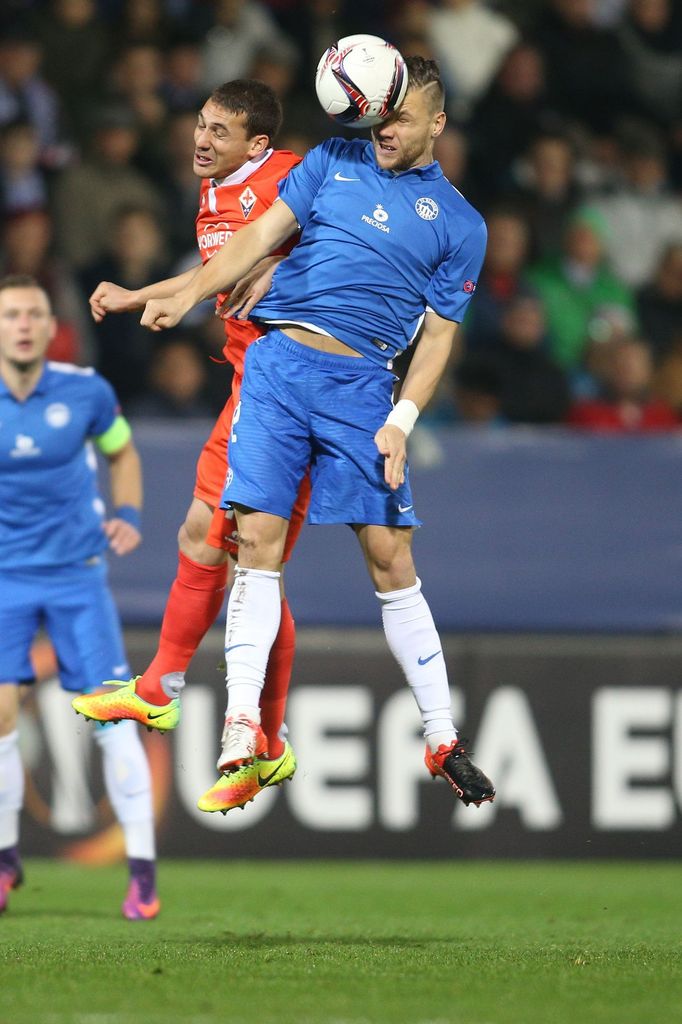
{"points": [[581, 735], [523, 530]]}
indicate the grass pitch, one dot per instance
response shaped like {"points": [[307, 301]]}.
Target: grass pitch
{"points": [[347, 943]]}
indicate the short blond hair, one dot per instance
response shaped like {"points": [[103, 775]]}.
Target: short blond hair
{"points": [[425, 74]]}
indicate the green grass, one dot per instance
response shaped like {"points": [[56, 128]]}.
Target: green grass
{"points": [[348, 943]]}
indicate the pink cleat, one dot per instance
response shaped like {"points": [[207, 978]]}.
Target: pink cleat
{"points": [[135, 908], [10, 878], [141, 902]]}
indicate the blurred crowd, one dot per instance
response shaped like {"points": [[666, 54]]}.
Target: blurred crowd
{"points": [[564, 130]]}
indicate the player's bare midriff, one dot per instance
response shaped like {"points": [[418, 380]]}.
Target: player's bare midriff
{"points": [[322, 342]]}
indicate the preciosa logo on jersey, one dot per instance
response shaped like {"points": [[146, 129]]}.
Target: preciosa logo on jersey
{"points": [[24, 447], [57, 415], [247, 201], [378, 218], [427, 208]]}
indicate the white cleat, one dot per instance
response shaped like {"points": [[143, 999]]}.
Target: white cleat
{"points": [[242, 740]]}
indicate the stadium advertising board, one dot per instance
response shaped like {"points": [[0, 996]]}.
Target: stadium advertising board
{"points": [[582, 736], [528, 531]]}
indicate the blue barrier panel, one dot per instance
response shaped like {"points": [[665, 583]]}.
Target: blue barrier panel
{"points": [[528, 530]]}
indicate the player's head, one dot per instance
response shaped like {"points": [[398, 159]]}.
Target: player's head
{"points": [[27, 325], [238, 122], [406, 139]]}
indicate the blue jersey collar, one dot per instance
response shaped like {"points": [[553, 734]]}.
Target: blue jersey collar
{"points": [[41, 388], [427, 172]]}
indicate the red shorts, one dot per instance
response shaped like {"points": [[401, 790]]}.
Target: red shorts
{"points": [[210, 481]]}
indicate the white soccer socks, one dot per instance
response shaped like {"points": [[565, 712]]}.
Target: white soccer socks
{"points": [[11, 789], [414, 642], [128, 784], [253, 617]]}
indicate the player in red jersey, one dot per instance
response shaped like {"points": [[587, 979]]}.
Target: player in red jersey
{"points": [[240, 172]]}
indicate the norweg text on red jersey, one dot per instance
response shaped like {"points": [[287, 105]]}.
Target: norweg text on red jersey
{"points": [[226, 207]]}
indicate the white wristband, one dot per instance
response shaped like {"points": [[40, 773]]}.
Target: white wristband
{"points": [[404, 415]]}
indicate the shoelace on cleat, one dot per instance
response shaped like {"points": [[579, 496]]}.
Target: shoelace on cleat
{"points": [[238, 735]]}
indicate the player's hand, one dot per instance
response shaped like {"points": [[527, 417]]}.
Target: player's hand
{"points": [[123, 536], [111, 298], [160, 314], [392, 444], [249, 290]]}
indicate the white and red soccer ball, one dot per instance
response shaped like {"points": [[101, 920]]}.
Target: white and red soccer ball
{"points": [[360, 80]]}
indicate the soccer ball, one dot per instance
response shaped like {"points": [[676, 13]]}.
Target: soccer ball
{"points": [[360, 80]]}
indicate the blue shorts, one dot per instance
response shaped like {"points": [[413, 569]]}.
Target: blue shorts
{"points": [[74, 605], [299, 408]]}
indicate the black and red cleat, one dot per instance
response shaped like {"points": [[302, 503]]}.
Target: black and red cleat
{"points": [[453, 763]]}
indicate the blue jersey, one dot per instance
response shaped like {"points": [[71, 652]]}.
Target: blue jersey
{"points": [[51, 513], [377, 250]]}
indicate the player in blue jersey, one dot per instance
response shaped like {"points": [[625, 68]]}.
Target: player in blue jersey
{"points": [[389, 252], [53, 539]]}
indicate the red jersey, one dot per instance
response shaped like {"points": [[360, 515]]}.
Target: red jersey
{"points": [[224, 209]]}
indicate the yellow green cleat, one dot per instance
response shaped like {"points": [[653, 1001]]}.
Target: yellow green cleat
{"points": [[241, 785], [123, 702]]}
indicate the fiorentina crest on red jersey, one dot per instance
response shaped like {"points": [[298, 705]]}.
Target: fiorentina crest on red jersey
{"points": [[247, 201]]}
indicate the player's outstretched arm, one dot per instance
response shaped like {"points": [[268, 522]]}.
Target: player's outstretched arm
{"points": [[239, 254], [112, 298], [250, 289], [426, 369], [125, 470]]}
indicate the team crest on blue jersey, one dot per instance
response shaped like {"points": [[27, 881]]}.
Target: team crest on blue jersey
{"points": [[247, 201], [427, 208], [57, 415]]}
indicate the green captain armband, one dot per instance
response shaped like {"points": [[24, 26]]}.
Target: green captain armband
{"points": [[115, 438]]}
